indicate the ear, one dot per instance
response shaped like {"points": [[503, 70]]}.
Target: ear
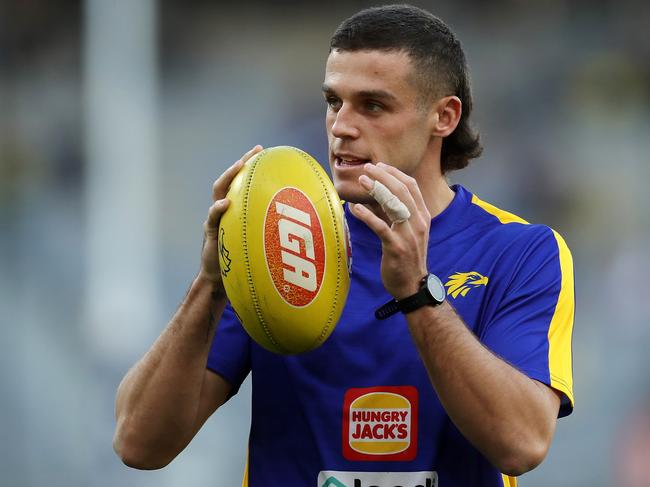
{"points": [[447, 115]]}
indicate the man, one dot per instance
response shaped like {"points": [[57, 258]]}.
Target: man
{"points": [[456, 391]]}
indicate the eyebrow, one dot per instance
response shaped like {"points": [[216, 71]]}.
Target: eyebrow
{"points": [[377, 94]]}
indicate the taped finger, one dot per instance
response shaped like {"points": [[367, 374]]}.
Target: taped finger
{"points": [[396, 210]]}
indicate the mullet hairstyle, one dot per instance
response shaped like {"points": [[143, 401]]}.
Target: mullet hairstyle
{"points": [[439, 64]]}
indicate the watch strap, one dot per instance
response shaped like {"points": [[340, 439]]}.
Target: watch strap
{"points": [[421, 298], [414, 302], [405, 305], [388, 309]]}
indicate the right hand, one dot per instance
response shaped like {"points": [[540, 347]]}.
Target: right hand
{"points": [[210, 253]]}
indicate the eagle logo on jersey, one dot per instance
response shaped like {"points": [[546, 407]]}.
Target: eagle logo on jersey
{"points": [[462, 282]]}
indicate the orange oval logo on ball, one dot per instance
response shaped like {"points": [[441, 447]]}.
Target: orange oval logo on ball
{"points": [[294, 246]]}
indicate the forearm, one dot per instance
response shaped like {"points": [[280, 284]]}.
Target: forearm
{"points": [[158, 400], [502, 412]]}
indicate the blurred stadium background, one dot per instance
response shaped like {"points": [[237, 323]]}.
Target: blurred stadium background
{"points": [[116, 116]]}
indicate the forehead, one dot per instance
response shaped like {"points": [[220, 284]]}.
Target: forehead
{"points": [[356, 71]]}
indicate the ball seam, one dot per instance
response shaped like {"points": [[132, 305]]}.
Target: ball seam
{"points": [[249, 276], [326, 330]]}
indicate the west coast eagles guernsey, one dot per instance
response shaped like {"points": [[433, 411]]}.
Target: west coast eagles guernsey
{"points": [[360, 410]]}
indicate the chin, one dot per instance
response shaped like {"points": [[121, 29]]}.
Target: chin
{"points": [[352, 193]]}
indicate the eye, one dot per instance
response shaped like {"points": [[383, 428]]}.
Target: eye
{"points": [[373, 106], [333, 102]]}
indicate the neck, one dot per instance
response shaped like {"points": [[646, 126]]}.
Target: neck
{"points": [[433, 185], [438, 199]]}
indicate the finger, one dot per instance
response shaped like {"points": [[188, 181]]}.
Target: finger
{"points": [[395, 210], [211, 225], [409, 182], [252, 152], [221, 185], [394, 185], [376, 224]]}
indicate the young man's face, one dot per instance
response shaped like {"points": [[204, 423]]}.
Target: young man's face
{"points": [[373, 115]]}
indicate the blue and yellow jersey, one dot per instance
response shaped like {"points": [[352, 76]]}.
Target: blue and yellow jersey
{"points": [[360, 410]]}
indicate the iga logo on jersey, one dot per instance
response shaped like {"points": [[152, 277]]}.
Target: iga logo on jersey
{"points": [[294, 246], [330, 478], [380, 423]]}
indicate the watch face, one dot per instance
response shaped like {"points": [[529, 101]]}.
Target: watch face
{"points": [[436, 288]]}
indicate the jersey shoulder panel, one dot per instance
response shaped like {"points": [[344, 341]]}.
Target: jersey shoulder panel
{"points": [[502, 215], [538, 274]]}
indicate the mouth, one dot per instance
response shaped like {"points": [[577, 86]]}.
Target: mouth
{"points": [[348, 161]]}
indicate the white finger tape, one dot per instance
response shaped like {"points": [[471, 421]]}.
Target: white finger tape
{"points": [[395, 210]]}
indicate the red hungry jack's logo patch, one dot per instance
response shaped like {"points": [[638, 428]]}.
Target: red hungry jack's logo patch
{"points": [[380, 423], [294, 246]]}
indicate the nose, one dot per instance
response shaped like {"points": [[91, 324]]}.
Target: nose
{"points": [[344, 123]]}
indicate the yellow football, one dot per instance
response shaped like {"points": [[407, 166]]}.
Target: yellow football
{"points": [[284, 251]]}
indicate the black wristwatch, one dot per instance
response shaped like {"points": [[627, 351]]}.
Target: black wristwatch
{"points": [[432, 293]]}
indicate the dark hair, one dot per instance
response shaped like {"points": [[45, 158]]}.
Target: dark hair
{"points": [[438, 58]]}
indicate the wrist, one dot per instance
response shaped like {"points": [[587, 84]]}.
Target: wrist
{"points": [[431, 292], [411, 287], [408, 290], [213, 284]]}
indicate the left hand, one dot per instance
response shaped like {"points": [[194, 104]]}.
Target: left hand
{"points": [[404, 245]]}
